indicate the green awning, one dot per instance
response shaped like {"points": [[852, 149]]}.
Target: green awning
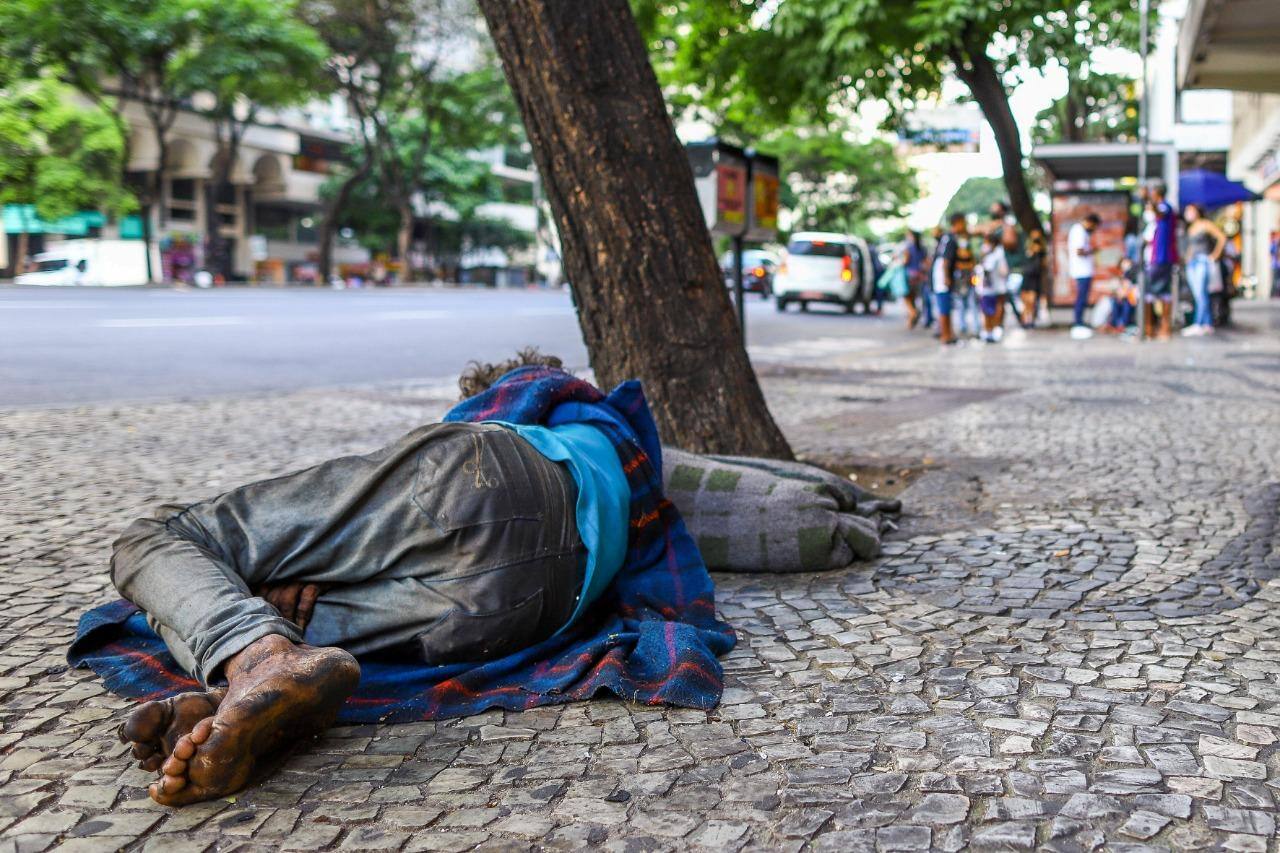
{"points": [[19, 218]]}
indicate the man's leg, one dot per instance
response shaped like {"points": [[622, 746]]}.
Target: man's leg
{"points": [[411, 519], [1083, 286]]}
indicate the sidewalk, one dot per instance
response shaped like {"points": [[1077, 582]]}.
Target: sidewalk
{"points": [[1074, 641]]}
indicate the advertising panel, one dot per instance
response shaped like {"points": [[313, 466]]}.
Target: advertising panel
{"points": [[1108, 241], [731, 197], [762, 220], [952, 130]]}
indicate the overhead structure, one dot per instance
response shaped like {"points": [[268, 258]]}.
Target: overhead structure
{"points": [[1230, 44], [1094, 161]]}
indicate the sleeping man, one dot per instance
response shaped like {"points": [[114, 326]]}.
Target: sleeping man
{"points": [[521, 552]]}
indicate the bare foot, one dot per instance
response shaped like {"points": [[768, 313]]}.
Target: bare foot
{"points": [[277, 693], [154, 728]]}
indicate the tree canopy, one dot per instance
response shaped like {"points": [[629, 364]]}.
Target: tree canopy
{"points": [[758, 61], [976, 195], [56, 153], [1096, 108], [834, 183]]}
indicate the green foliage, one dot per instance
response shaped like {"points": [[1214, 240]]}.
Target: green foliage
{"points": [[759, 64], [976, 195], [56, 154], [1096, 108], [833, 183], [101, 45], [750, 61], [250, 54]]}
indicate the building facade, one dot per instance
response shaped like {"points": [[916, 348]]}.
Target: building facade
{"points": [[269, 215], [1230, 44]]}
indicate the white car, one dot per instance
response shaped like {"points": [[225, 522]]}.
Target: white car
{"points": [[92, 262], [822, 266]]}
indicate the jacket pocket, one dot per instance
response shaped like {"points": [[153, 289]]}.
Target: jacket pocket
{"points": [[461, 636], [474, 478]]}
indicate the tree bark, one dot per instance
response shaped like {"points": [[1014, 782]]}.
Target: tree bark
{"points": [[651, 301], [977, 71], [404, 237], [332, 213]]}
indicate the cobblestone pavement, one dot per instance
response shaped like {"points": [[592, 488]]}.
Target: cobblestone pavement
{"points": [[1073, 642]]}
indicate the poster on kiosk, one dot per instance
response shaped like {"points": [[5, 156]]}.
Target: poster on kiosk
{"points": [[762, 206], [1108, 240], [720, 177]]}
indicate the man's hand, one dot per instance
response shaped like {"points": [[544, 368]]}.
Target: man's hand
{"points": [[295, 601]]}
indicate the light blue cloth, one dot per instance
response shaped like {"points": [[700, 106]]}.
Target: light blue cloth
{"points": [[604, 498]]}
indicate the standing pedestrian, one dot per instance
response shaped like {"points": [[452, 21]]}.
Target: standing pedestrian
{"points": [[1080, 252], [1205, 243], [1033, 267], [911, 255], [946, 273], [929, 309], [964, 294], [992, 286], [1009, 236], [1161, 240]]}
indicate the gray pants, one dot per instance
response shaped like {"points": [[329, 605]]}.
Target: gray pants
{"points": [[457, 543]]}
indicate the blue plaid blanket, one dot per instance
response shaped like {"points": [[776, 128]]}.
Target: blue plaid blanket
{"points": [[652, 638]]}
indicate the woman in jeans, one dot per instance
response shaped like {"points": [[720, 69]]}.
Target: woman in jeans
{"points": [[1205, 242]]}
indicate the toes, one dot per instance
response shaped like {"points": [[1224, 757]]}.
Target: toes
{"points": [[164, 789], [152, 764], [184, 749], [146, 723], [201, 732], [142, 751], [174, 766]]}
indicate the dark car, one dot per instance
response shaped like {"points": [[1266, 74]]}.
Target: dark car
{"points": [[758, 267]]}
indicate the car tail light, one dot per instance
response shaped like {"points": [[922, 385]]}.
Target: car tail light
{"points": [[846, 268], [782, 264], [758, 272]]}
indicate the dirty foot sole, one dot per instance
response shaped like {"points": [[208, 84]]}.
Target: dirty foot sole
{"points": [[271, 704], [154, 728]]}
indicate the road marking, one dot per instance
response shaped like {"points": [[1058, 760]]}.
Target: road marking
{"points": [[414, 314], [168, 322], [562, 311], [816, 348]]}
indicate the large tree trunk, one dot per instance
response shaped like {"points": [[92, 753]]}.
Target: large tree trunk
{"points": [[404, 239], [332, 215], [976, 70], [651, 301], [215, 245]]}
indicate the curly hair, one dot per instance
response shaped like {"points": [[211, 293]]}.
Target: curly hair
{"points": [[478, 376]]}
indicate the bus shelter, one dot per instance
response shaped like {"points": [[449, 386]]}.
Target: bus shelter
{"points": [[1097, 178]]}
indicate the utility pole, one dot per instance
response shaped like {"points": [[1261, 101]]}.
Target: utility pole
{"points": [[1144, 132]]}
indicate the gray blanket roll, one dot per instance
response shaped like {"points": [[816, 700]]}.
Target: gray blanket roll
{"points": [[764, 515]]}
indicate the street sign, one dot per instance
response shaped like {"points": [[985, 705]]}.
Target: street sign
{"points": [[762, 206], [720, 177], [738, 191]]}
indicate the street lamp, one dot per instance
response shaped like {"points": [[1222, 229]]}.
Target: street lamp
{"points": [[1144, 117]]}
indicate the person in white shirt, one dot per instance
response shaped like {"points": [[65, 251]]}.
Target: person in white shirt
{"points": [[1080, 251], [993, 287]]}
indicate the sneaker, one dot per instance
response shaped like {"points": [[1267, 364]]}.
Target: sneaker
{"points": [[1192, 332], [1081, 333], [997, 334]]}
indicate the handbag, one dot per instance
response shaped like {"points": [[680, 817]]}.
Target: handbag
{"points": [[894, 280]]}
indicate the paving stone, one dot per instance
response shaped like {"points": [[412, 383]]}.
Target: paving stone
{"points": [[1005, 836], [1053, 651], [1143, 825]]}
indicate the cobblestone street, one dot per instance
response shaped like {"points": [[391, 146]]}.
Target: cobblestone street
{"points": [[1072, 642]]}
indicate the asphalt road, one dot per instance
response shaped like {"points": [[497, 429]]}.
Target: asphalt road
{"points": [[65, 346]]}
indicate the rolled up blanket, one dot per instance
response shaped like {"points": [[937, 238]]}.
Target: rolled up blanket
{"points": [[765, 515]]}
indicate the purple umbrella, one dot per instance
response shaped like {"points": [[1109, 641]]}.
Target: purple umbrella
{"points": [[1211, 189]]}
